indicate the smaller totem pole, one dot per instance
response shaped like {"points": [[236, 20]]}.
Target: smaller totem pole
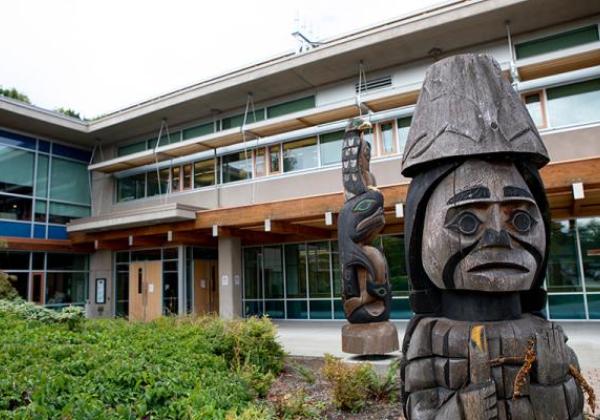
{"points": [[366, 290]]}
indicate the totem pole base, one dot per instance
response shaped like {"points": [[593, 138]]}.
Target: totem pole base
{"points": [[374, 338]]}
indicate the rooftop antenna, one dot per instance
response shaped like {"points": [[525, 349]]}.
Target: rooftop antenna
{"points": [[303, 34]]}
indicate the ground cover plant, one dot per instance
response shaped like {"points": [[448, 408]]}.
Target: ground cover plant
{"points": [[203, 368]]}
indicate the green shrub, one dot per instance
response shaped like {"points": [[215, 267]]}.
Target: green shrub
{"points": [[350, 383], [7, 290], [72, 316], [306, 374], [172, 368], [297, 406], [386, 387]]}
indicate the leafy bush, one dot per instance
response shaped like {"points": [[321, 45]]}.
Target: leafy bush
{"points": [[351, 383], [386, 387], [169, 368], [297, 406], [7, 290], [72, 316]]}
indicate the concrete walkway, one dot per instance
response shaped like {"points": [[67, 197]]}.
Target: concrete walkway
{"points": [[315, 338]]}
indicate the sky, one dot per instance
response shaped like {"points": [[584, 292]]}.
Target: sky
{"points": [[98, 56]]}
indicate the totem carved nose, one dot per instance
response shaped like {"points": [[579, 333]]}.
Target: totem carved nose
{"points": [[493, 238]]}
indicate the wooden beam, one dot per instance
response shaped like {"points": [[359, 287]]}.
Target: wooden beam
{"points": [[193, 238], [560, 65], [50, 245], [280, 226]]}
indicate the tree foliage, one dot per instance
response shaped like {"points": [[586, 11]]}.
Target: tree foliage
{"points": [[14, 94], [69, 112]]}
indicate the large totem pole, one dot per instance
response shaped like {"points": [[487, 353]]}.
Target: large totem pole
{"points": [[477, 239], [366, 290]]}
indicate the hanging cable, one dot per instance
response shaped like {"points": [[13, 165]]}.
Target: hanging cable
{"points": [[514, 72], [249, 106], [162, 123]]}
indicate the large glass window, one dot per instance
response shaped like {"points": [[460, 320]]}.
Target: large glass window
{"points": [[14, 260], [41, 186], [199, 130], [533, 103], [388, 143], [300, 154], [275, 159], [237, 166], [393, 249], [204, 173], [66, 288], [331, 147], [557, 42], [273, 271], [67, 262], [318, 270], [563, 269], [69, 181], [291, 106], [576, 103], [63, 213], [566, 306], [16, 175], [589, 237], [252, 273], [260, 164], [131, 148], [15, 208], [295, 270], [403, 129], [154, 186], [132, 187]]}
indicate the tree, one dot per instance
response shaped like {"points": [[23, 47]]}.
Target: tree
{"points": [[69, 112], [14, 94], [7, 291]]}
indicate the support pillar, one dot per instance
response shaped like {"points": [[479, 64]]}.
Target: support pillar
{"points": [[230, 277], [100, 268]]}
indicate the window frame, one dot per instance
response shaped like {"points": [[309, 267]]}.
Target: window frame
{"points": [[543, 102], [379, 138]]}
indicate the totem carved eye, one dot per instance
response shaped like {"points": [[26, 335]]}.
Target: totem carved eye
{"points": [[363, 205], [466, 223], [522, 221]]}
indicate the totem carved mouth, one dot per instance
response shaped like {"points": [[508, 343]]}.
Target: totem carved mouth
{"points": [[498, 266]]}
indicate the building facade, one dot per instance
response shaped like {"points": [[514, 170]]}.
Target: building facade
{"points": [[223, 196]]}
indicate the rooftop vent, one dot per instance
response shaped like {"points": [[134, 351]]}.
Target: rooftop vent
{"points": [[377, 83]]}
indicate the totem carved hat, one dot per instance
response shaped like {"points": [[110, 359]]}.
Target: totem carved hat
{"points": [[466, 108]]}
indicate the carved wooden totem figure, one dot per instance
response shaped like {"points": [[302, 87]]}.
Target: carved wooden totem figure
{"points": [[366, 290], [477, 240]]}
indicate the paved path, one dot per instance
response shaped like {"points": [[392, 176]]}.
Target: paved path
{"points": [[315, 338]]}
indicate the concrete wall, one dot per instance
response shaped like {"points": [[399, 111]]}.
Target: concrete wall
{"points": [[101, 267], [230, 278]]}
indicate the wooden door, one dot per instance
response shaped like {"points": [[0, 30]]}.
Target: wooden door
{"points": [[145, 290], [206, 288]]}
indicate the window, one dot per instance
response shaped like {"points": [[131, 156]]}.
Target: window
{"points": [[70, 181], [204, 173], [187, 176], [403, 129], [534, 104], [15, 208], [318, 270], [576, 103], [274, 159], [131, 148], [557, 42], [238, 120], [66, 288], [40, 211], [291, 106], [197, 131], [563, 269], [300, 154], [16, 175], [237, 166], [14, 260], [63, 213], [331, 147], [387, 140], [393, 249], [260, 164], [589, 236], [154, 186], [273, 271], [41, 186], [295, 270], [252, 273], [175, 178], [131, 188], [67, 262]]}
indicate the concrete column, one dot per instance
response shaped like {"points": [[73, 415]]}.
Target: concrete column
{"points": [[230, 277], [100, 268]]}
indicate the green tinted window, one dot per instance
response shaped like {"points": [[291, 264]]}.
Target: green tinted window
{"points": [[273, 271], [16, 175], [204, 173], [237, 166], [155, 187], [63, 213], [557, 42], [300, 154], [69, 181], [563, 269], [199, 130], [576, 103], [132, 148], [331, 147], [295, 271], [318, 271], [41, 186], [403, 128], [393, 248], [252, 273], [589, 237], [131, 188], [238, 120], [566, 306], [291, 106]]}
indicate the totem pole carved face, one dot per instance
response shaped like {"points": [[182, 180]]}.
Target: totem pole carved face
{"points": [[483, 230]]}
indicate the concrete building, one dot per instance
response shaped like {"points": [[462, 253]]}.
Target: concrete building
{"points": [[223, 196]]}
